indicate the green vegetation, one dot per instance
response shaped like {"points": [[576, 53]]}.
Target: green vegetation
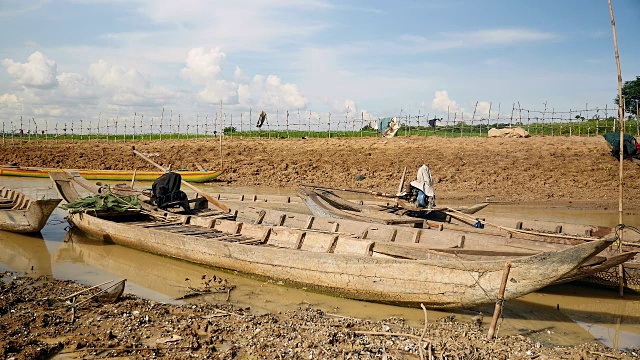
{"points": [[631, 96]]}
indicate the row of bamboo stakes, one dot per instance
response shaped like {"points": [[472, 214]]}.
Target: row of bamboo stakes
{"points": [[553, 125]]}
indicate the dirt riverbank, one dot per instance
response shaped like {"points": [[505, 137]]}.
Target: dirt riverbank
{"points": [[37, 324], [561, 169]]}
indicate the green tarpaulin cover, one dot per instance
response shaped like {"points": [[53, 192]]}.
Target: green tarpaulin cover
{"points": [[630, 142]]}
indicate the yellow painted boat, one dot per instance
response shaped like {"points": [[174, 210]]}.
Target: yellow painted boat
{"points": [[117, 175]]}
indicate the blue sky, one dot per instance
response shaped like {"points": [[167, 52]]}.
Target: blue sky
{"points": [[67, 60]]}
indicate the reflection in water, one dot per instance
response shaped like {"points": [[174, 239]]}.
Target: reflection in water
{"points": [[561, 315], [167, 276], [24, 254]]}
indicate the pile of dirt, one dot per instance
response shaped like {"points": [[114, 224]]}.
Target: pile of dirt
{"points": [[36, 324], [531, 169]]}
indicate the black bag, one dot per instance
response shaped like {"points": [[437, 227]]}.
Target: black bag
{"points": [[166, 192]]}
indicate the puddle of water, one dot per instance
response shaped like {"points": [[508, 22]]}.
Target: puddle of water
{"points": [[561, 315]]}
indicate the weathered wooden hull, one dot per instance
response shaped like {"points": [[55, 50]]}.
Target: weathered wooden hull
{"points": [[116, 175], [23, 214], [437, 284]]}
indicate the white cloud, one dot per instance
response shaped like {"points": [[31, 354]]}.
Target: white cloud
{"points": [[76, 86], [500, 36], [442, 102], [126, 86], [271, 94], [487, 38], [238, 74], [13, 8], [8, 99], [220, 90], [113, 76], [203, 66], [38, 71]]}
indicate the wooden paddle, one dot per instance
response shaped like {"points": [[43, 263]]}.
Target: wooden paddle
{"points": [[209, 198], [375, 193]]}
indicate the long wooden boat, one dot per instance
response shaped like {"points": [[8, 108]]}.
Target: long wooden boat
{"points": [[23, 214], [116, 175], [341, 266], [327, 204], [336, 264]]}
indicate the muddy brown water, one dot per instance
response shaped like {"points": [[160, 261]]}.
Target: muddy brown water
{"points": [[561, 315]]}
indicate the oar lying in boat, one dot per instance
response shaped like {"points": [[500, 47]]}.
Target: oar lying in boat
{"points": [[198, 191], [375, 193], [466, 217]]}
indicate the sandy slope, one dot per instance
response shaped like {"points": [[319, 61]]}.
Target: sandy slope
{"points": [[540, 168]]}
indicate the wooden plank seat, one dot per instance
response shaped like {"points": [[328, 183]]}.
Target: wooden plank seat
{"points": [[318, 242]]}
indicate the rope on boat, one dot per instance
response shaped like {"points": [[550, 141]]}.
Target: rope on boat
{"points": [[618, 228]]}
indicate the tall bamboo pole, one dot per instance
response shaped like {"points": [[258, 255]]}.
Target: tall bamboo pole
{"points": [[221, 163], [621, 118]]}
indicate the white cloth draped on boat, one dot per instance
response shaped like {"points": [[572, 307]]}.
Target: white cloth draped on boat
{"points": [[424, 181]]}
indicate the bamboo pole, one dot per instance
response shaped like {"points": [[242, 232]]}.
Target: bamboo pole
{"points": [[221, 162], [498, 308], [198, 191], [133, 178], [621, 118], [637, 118]]}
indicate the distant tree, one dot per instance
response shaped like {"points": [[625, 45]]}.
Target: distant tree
{"points": [[229, 130], [368, 128], [631, 95]]}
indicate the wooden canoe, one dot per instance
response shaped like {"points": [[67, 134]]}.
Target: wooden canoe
{"points": [[23, 214], [342, 266], [116, 175], [327, 204]]}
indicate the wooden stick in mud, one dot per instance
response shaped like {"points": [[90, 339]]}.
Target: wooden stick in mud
{"points": [[401, 186], [133, 178], [85, 290], [498, 309], [198, 191]]}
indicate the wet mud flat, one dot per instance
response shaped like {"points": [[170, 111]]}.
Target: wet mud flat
{"points": [[37, 324]]}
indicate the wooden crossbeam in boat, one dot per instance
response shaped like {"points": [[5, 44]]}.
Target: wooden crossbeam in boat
{"points": [[155, 225]]}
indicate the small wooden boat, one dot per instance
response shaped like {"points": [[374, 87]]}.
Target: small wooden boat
{"points": [[116, 175], [327, 204], [22, 214], [336, 264]]}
